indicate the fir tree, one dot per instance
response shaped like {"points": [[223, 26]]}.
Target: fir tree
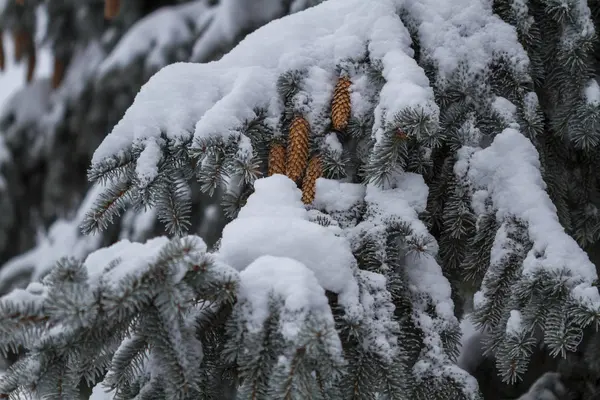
{"points": [[386, 166]]}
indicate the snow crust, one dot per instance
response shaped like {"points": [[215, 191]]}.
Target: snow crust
{"points": [[509, 171]]}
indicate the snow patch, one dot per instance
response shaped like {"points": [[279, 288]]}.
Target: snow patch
{"points": [[289, 281]]}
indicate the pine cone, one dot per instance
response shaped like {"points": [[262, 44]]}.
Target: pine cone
{"points": [[297, 150], [19, 39], [58, 73], [31, 62], [1, 52], [309, 184], [111, 8], [20, 2], [340, 106], [277, 159]]}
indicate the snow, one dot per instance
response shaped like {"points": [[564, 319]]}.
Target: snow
{"points": [[513, 325], [99, 393], [332, 195], [509, 172], [506, 109], [232, 18], [156, 34], [378, 318], [464, 33], [13, 77], [135, 259], [147, 163], [429, 288], [213, 99], [28, 296], [274, 222], [25, 106], [471, 350], [592, 93], [333, 144], [289, 281]]}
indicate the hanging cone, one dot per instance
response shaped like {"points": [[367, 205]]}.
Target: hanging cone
{"points": [[297, 150], [1, 51], [340, 106], [277, 159], [20, 2], [111, 8], [58, 73], [309, 184], [31, 62], [19, 39]]}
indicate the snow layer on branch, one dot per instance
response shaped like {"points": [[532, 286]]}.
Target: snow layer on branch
{"points": [[287, 280], [274, 222], [401, 204], [99, 393], [509, 172], [133, 258], [453, 32], [332, 195], [157, 33], [176, 101]]}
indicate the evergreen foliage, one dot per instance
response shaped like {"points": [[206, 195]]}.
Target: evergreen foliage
{"points": [[386, 167]]}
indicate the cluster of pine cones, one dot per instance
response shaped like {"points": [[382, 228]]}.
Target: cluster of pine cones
{"points": [[295, 161]]}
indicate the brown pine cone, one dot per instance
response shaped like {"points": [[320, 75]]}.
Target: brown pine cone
{"points": [[340, 106], [19, 39], [111, 8], [58, 73], [277, 159], [309, 184], [31, 62], [1, 52], [297, 150]]}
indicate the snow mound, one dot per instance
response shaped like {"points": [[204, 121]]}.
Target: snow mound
{"points": [[274, 222], [287, 280]]}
